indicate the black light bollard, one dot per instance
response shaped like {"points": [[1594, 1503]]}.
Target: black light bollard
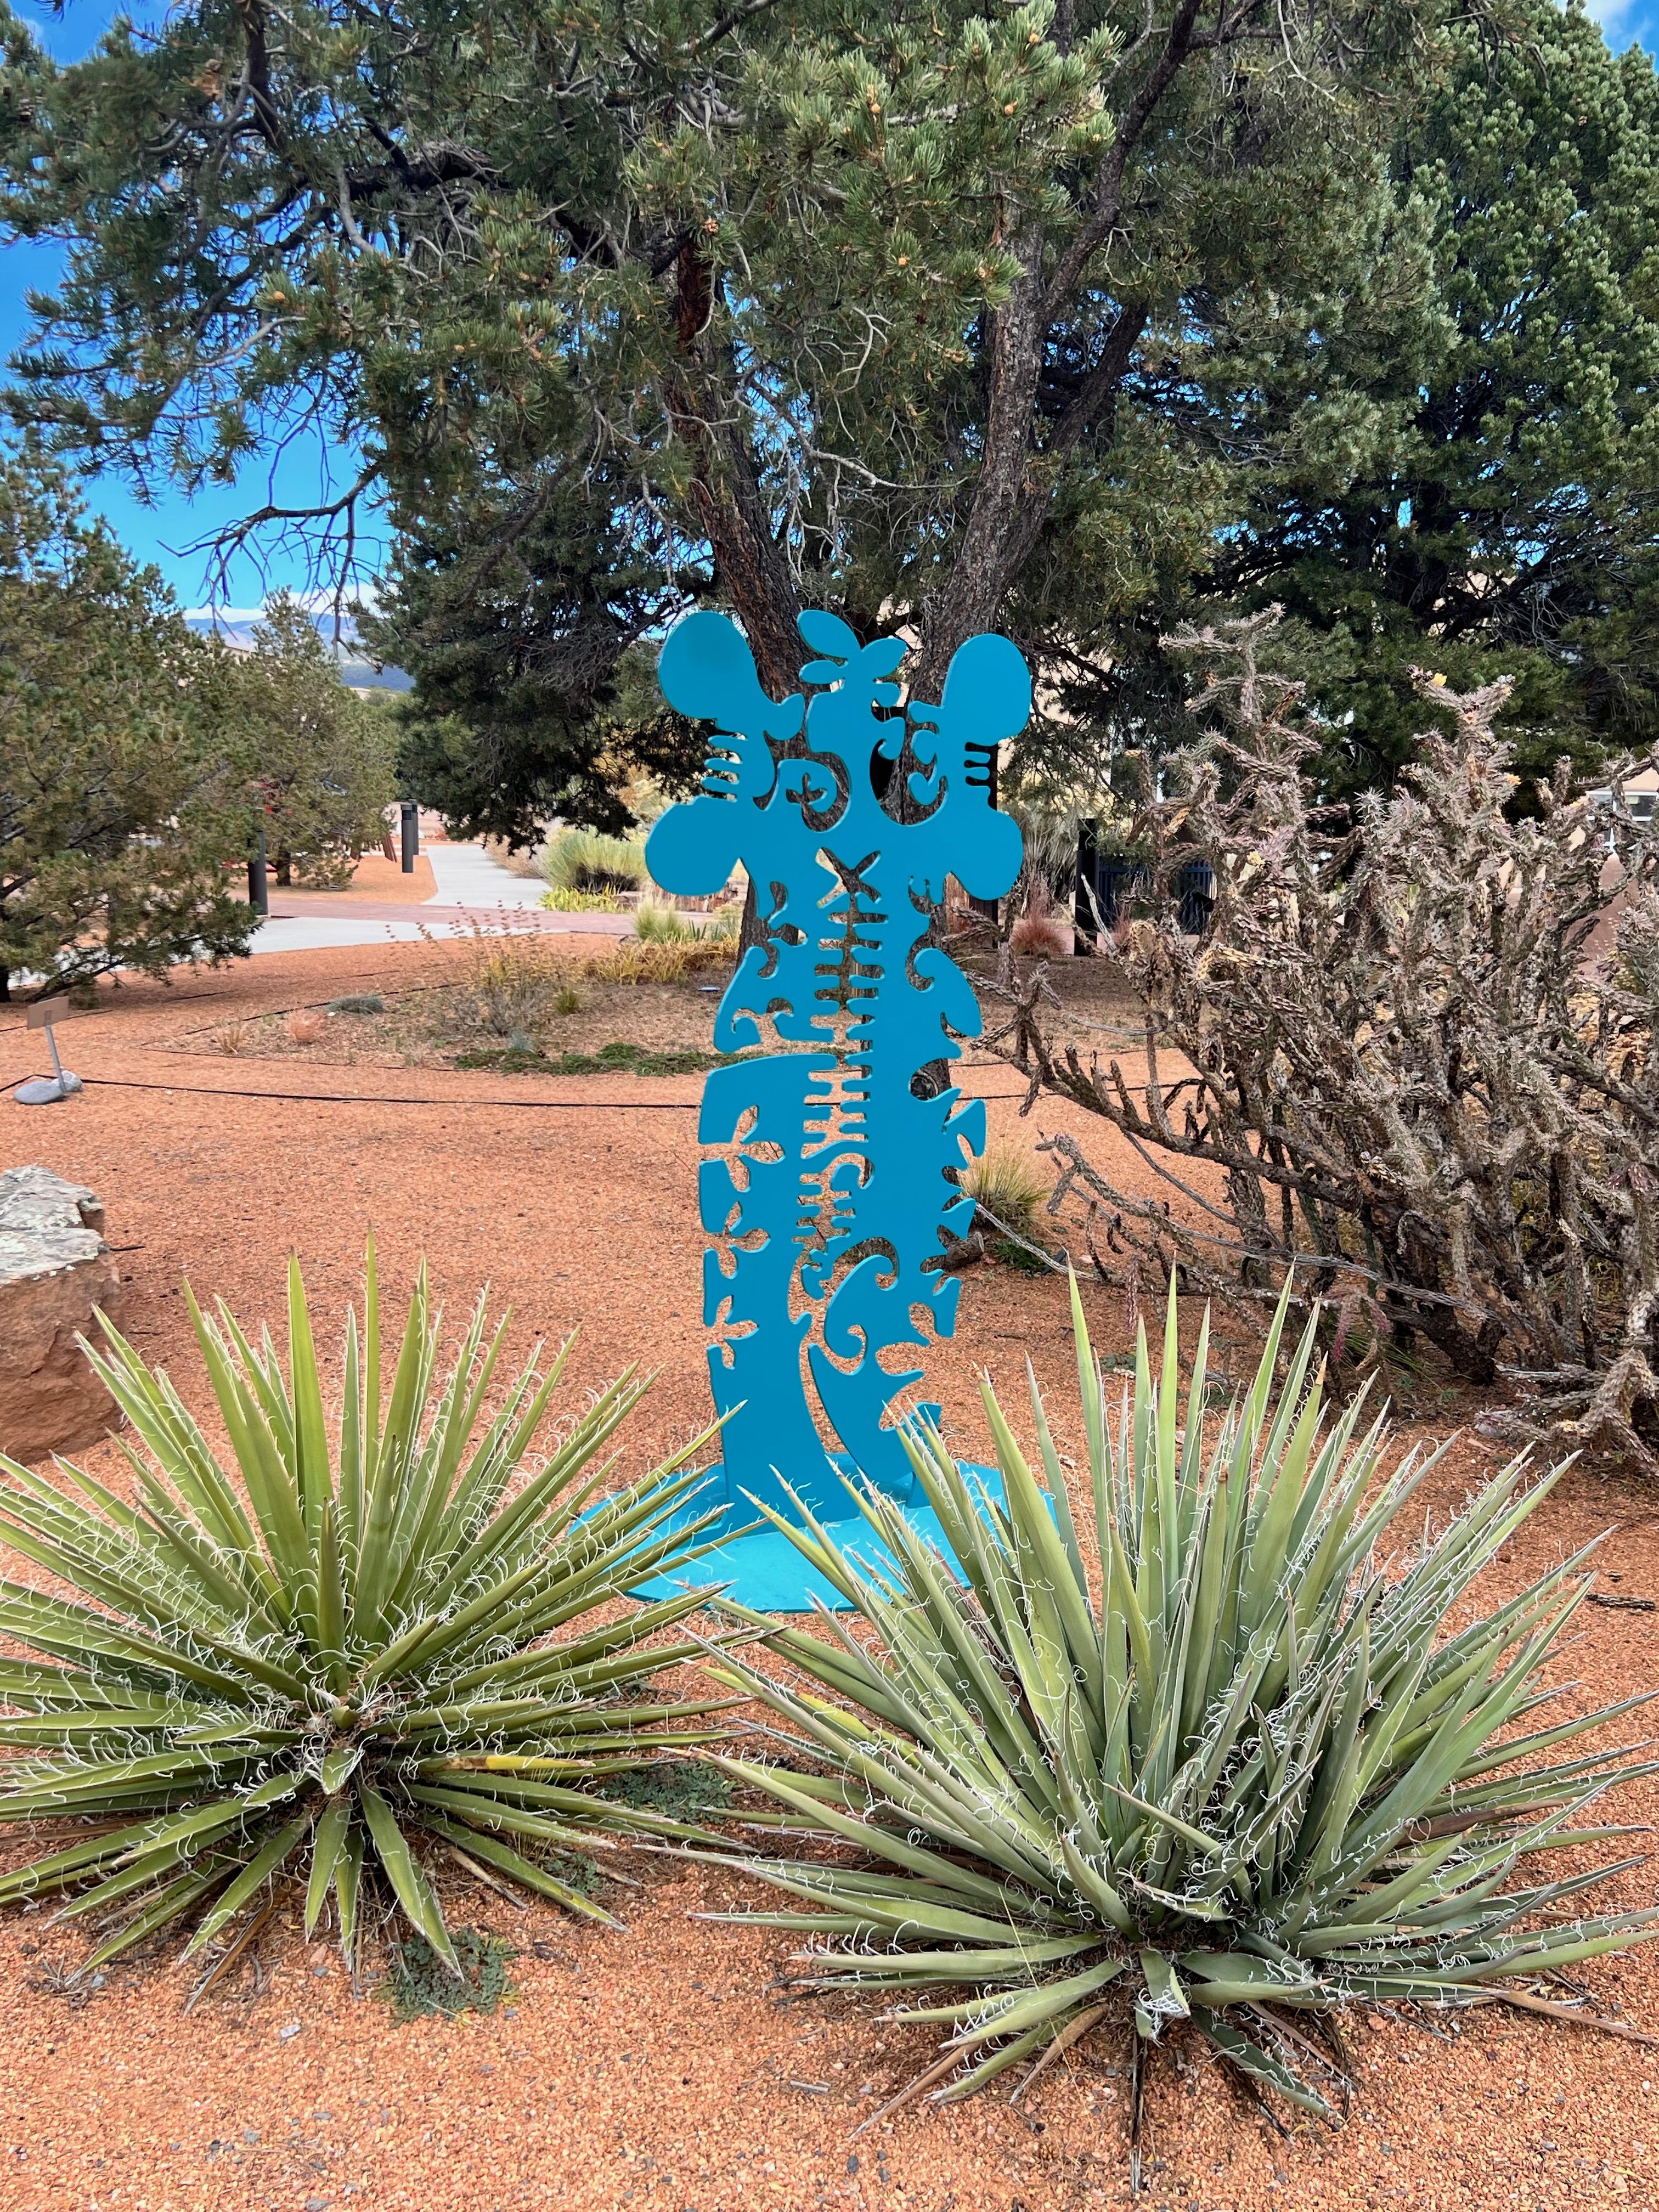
{"points": [[411, 823], [258, 886]]}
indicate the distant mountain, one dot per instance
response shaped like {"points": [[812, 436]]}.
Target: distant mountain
{"points": [[236, 626]]}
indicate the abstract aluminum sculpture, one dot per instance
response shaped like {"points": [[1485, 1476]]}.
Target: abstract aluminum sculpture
{"points": [[825, 1188]]}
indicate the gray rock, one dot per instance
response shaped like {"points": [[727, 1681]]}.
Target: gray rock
{"points": [[54, 1268]]}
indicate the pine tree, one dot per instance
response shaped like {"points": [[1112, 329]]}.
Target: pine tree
{"points": [[119, 815], [900, 312], [1513, 526], [319, 760]]}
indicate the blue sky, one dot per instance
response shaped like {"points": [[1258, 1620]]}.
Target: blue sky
{"points": [[162, 533]]}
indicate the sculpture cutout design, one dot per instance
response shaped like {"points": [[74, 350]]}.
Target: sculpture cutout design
{"points": [[825, 1190]]}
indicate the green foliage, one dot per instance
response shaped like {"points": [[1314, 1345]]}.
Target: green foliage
{"points": [[618, 1058], [358, 1002], [1259, 1780], [947, 318], [345, 1667], [319, 759], [1006, 1182], [519, 620], [581, 860], [1507, 521], [666, 925], [683, 1788], [564, 902], [424, 1986], [118, 815]]}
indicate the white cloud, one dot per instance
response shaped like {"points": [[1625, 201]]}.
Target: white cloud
{"points": [[1625, 21]]}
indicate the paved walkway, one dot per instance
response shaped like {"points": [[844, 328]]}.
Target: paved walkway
{"points": [[473, 891], [466, 876]]}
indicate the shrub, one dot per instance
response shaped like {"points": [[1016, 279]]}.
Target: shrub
{"points": [[633, 961], [666, 925], [305, 1025], [421, 1985], [354, 1676], [1006, 1184], [118, 809], [1405, 1067], [1040, 936], [515, 979], [583, 860], [1257, 1784], [567, 902], [319, 759]]}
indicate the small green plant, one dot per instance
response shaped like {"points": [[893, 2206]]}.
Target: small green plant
{"points": [[1005, 1184], [666, 925], [1019, 1257], [563, 900], [618, 1058], [423, 1986], [1259, 1783], [360, 1002], [340, 1667], [514, 978], [582, 860], [684, 1789]]}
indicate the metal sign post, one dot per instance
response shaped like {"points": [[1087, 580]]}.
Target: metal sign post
{"points": [[48, 1089]]}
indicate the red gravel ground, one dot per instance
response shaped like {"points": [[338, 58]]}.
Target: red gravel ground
{"points": [[659, 2066]]}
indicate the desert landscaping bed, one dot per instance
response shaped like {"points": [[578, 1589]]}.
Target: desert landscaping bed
{"points": [[660, 2066]]}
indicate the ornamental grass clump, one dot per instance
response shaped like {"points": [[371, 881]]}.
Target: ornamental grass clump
{"points": [[1262, 1782], [339, 1667], [585, 861]]}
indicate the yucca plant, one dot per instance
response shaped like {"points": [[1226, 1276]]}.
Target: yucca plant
{"points": [[1261, 1782], [332, 1665]]}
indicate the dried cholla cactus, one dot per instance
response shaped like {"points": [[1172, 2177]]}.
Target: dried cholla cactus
{"points": [[1414, 1058]]}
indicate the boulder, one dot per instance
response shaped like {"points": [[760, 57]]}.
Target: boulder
{"points": [[54, 1268]]}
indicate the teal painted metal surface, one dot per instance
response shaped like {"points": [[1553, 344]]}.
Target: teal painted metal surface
{"points": [[824, 1190]]}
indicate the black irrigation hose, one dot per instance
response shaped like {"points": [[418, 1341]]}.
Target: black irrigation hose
{"points": [[367, 1098]]}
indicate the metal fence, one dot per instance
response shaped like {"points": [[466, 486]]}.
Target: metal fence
{"points": [[1121, 880]]}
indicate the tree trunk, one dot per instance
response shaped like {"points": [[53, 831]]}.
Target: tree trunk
{"points": [[992, 544], [284, 866]]}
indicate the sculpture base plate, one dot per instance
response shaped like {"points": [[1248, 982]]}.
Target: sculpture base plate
{"points": [[764, 1570]]}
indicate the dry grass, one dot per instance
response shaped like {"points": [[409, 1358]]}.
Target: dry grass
{"points": [[1040, 937], [232, 1039], [305, 1025], [1006, 1182], [636, 962]]}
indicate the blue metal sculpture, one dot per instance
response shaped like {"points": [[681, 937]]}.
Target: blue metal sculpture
{"points": [[826, 1187]]}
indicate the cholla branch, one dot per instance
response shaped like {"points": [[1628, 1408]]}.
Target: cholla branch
{"points": [[1409, 1056]]}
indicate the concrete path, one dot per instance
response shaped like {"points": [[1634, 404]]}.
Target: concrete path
{"points": [[473, 891], [466, 876]]}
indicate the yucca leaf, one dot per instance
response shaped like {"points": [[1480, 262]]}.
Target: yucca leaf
{"points": [[348, 1889], [495, 1853], [409, 1885], [1263, 2066], [326, 1846], [197, 1664], [265, 1863], [1256, 1771]]}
